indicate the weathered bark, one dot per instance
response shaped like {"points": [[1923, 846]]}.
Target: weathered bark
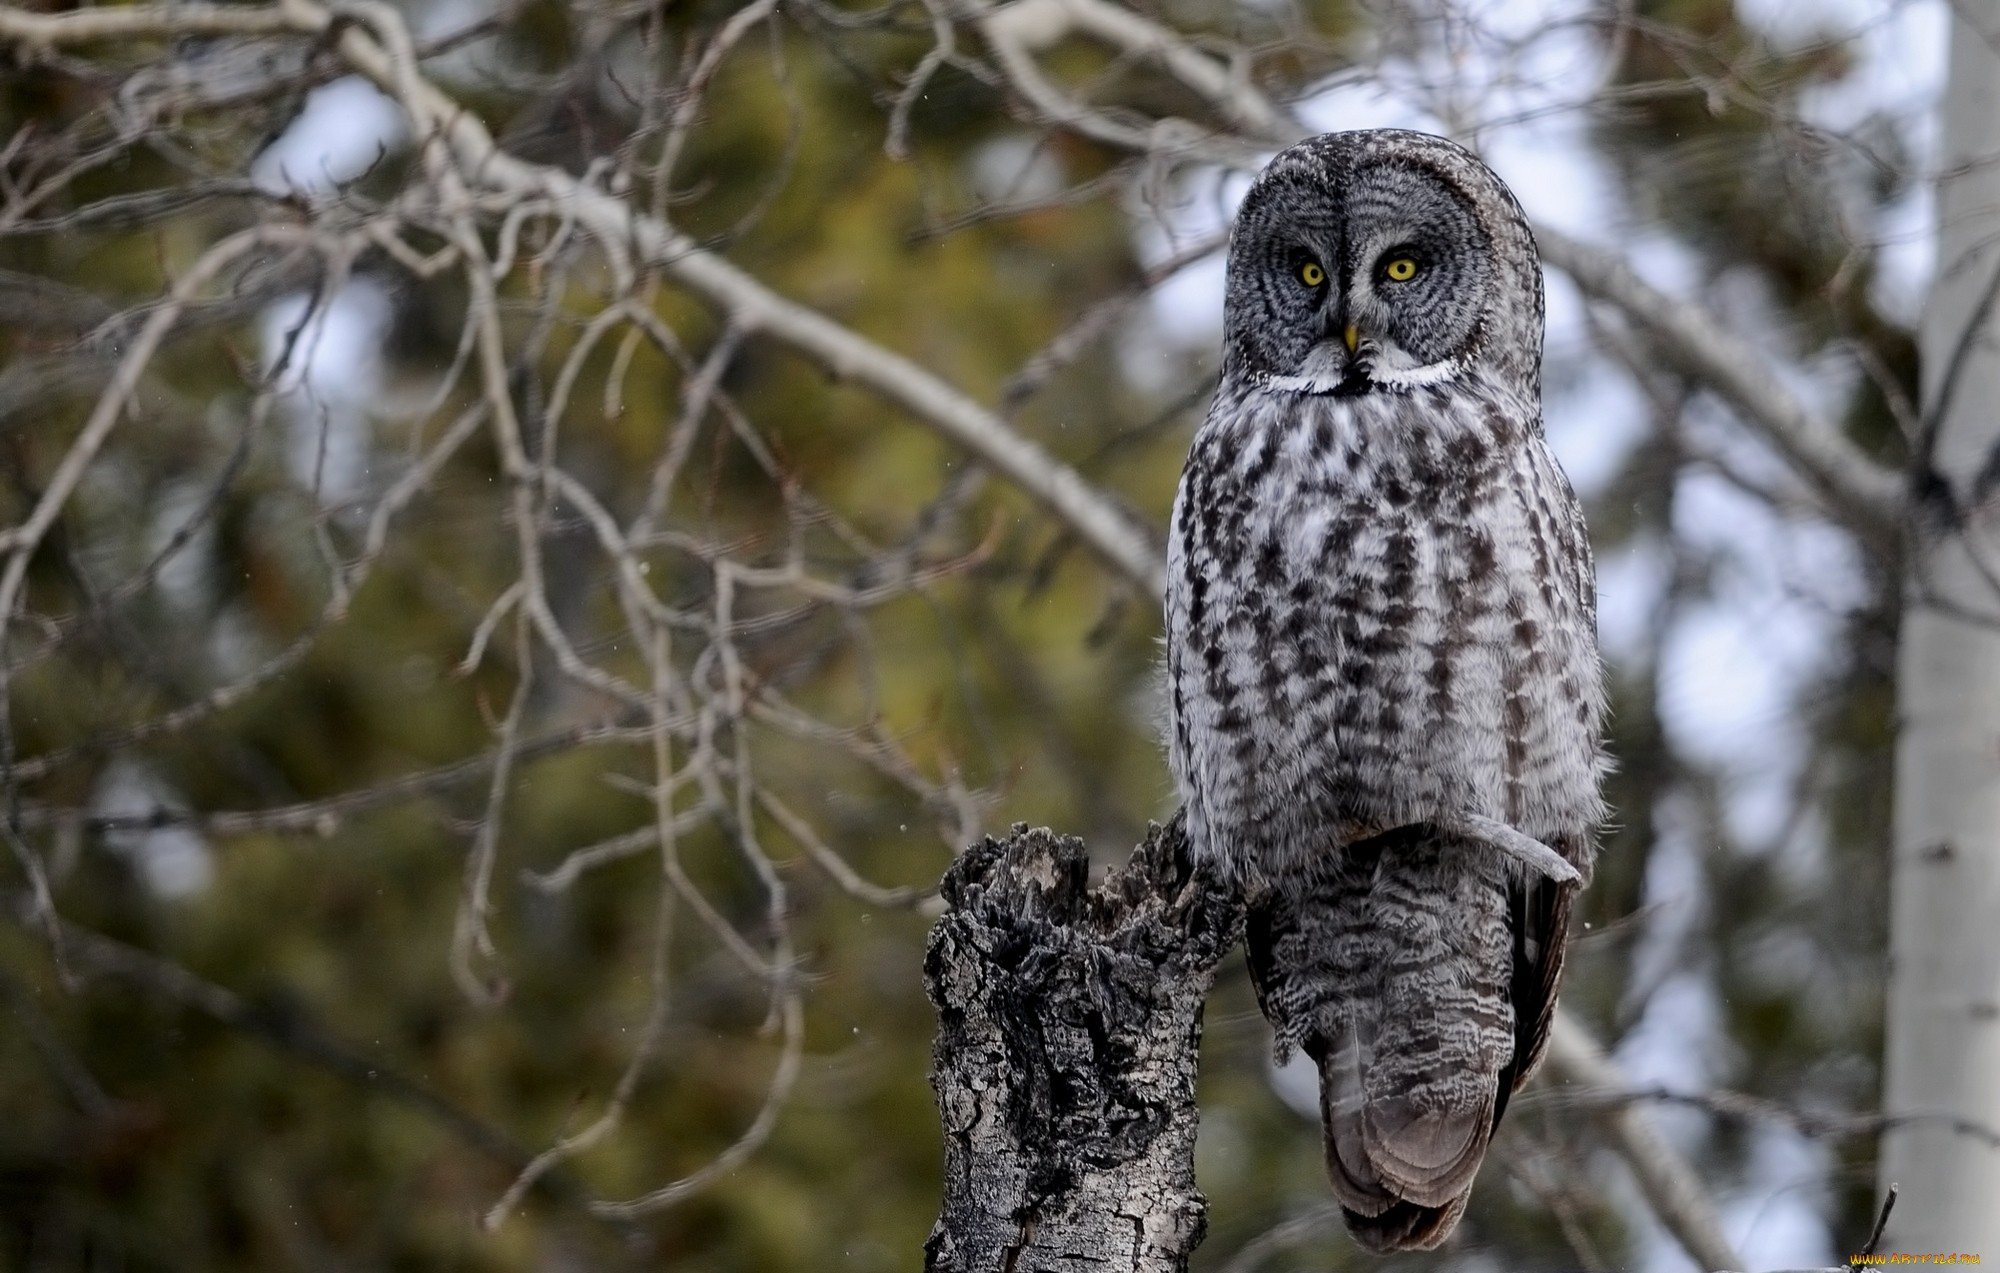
{"points": [[1069, 1027], [1943, 1002]]}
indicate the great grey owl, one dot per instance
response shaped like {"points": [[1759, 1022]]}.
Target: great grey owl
{"points": [[1385, 700]]}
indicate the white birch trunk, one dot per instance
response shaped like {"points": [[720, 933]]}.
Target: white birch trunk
{"points": [[1943, 1009]]}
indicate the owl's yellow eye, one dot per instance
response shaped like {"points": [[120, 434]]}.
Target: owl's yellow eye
{"points": [[1400, 270], [1311, 274]]}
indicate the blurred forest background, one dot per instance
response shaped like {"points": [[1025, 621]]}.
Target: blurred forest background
{"points": [[490, 683]]}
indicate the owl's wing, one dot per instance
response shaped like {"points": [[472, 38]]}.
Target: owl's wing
{"points": [[1538, 907], [1538, 910]]}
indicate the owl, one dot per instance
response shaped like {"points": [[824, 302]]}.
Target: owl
{"points": [[1384, 694]]}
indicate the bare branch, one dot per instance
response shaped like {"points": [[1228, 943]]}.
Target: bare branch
{"points": [[1670, 1184], [1226, 85], [750, 305], [1866, 494], [89, 26]]}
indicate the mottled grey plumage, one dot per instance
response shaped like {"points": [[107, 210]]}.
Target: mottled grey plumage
{"points": [[1381, 627]]}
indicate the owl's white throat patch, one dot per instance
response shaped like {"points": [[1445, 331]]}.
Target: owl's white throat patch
{"points": [[1329, 368], [1430, 373]]}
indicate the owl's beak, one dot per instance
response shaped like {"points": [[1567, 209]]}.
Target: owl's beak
{"points": [[1352, 336]]}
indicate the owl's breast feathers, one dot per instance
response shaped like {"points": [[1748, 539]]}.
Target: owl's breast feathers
{"points": [[1379, 608]]}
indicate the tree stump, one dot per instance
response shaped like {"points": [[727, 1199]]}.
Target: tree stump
{"points": [[1069, 1031]]}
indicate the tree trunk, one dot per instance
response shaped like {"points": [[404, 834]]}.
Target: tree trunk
{"points": [[1943, 1009], [1069, 1027]]}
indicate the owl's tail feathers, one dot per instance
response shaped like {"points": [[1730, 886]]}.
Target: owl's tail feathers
{"points": [[1392, 972], [1402, 1177]]}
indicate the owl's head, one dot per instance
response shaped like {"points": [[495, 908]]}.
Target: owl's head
{"points": [[1381, 261]]}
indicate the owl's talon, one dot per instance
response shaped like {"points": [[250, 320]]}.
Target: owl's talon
{"points": [[1523, 848]]}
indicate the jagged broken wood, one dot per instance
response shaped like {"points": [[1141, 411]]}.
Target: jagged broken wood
{"points": [[1069, 1026]]}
